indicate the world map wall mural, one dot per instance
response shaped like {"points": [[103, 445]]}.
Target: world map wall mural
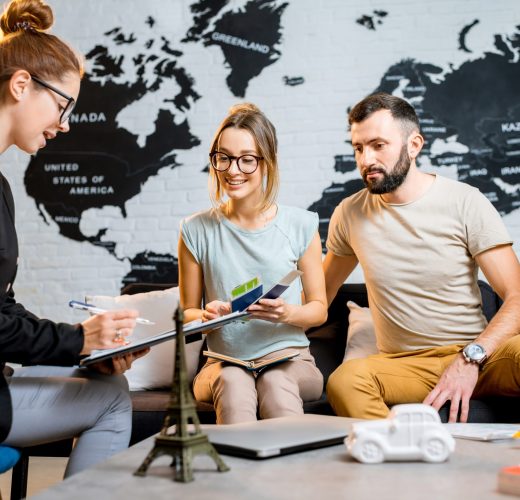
{"points": [[464, 87]]}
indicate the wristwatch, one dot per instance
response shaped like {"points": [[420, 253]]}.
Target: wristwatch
{"points": [[474, 353]]}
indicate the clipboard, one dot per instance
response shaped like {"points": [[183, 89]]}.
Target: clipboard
{"points": [[192, 328], [192, 331]]}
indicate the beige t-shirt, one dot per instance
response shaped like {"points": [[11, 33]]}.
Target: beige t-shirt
{"points": [[418, 261]]}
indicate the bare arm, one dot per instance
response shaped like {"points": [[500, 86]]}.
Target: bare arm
{"points": [[313, 311], [190, 283], [501, 267], [337, 270], [457, 383]]}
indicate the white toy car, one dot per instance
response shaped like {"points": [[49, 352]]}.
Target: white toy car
{"points": [[410, 432]]}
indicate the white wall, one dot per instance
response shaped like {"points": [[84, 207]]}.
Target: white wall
{"points": [[340, 60]]}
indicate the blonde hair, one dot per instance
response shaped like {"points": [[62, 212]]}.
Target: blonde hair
{"points": [[25, 43], [248, 117]]}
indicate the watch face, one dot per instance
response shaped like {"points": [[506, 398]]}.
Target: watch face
{"points": [[475, 352]]}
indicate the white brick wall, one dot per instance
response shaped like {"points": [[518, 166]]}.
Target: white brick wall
{"points": [[341, 62]]}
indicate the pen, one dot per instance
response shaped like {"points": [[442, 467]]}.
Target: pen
{"points": [[97, 310]]}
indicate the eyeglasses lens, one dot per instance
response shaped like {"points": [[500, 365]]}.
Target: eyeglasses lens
{"points": [[246, 163], [67, 111]]}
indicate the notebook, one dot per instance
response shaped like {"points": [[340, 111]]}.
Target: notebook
{"points": [[484, 432], [278, 436]]}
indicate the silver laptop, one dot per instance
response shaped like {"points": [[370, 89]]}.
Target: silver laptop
{"points": [[278, 436]]}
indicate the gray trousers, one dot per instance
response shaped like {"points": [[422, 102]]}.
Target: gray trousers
{"points": [[278, 391], [52, 403]]}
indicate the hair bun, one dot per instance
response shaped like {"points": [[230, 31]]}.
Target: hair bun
{"points": [[26, 15], [244, 107]]}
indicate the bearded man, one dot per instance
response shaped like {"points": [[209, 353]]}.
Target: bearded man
{"points": [[420, 239]]}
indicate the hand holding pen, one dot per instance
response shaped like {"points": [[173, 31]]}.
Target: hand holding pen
{"points": [[106, 329], [97, 310]]}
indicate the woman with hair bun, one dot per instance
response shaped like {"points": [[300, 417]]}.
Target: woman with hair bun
{"points": [[247, 235], [39, 84]]}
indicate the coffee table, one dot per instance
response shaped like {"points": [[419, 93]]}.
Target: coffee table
{"points": [[471, 472]]}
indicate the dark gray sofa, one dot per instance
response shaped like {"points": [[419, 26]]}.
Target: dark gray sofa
{"points": [[327, 346]]}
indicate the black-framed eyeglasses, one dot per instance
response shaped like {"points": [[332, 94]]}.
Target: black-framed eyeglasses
{"points": [[247, 164], [69, 107]]}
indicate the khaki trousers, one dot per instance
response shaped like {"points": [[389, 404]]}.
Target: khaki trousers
{"points": [[365, 388], [277, 391]]}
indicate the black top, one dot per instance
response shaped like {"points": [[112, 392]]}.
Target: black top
{"points": [[23, 337]]}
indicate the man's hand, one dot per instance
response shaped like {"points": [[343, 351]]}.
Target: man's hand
{"points": [[118, 364], [456, 384]]}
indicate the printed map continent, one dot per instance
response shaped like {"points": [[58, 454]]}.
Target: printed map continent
{"points": [[112, 165], [470, 119], [248, 38]]}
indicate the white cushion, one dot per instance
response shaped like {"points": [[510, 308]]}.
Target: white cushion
{"points": [[155, 370], [361, 338]]}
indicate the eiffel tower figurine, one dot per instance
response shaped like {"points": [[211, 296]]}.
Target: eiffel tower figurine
{"points": [[182, 444]]}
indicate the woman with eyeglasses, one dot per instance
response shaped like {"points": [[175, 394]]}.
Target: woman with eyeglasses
{"points": [[248, 234], [39, 83]]}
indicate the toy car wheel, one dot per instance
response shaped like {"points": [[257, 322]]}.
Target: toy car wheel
{"points": [[370, 452], [435, 450]]}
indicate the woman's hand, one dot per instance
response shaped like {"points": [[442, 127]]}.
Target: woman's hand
{"points": [[119, 364], [107, 330], [273, 310], [215, 309]]}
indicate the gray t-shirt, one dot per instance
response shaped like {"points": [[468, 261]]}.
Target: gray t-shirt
{"points": [[419, 264], [230, 255]]}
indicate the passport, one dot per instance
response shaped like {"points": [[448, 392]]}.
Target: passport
{"points": [[251, 291]]}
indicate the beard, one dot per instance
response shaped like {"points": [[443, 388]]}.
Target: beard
{"points": [[390, 181]]}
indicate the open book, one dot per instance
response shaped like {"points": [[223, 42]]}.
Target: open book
{"points": [[252, 366]]}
